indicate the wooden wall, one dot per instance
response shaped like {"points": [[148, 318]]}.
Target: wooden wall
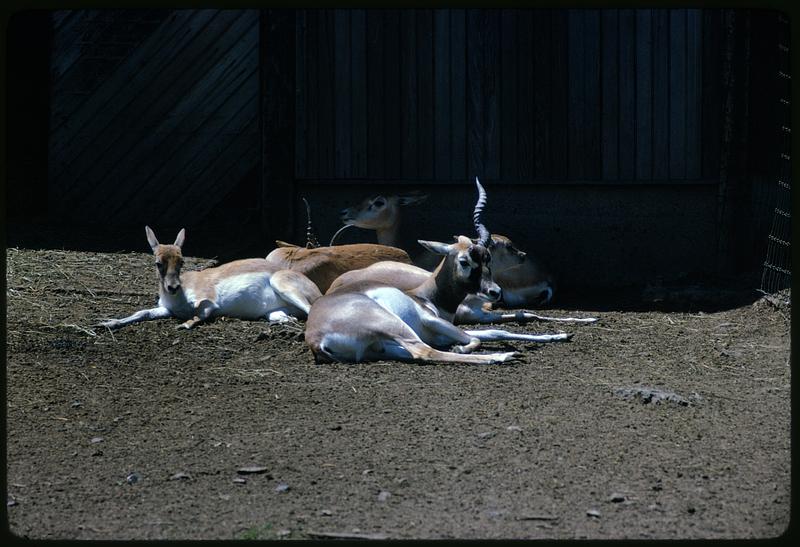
{"points": [[508, 95], [154, 113]]}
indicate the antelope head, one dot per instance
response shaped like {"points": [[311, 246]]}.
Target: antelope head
{"points": [[380, 213], [169, 261], [466, 269]]}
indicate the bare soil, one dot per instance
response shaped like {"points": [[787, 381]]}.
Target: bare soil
{"points": [[648, 424]]}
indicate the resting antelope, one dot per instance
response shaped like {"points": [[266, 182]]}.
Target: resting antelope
{"points": [[248, 289], [324, 264], [505, 259], [525, 280], [369, 320]]}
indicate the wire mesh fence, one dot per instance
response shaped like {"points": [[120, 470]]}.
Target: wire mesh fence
{"points": [[777, 273]]}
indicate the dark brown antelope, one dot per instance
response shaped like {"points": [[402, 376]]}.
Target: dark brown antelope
{"points": [[512, 266], [524, 279]]}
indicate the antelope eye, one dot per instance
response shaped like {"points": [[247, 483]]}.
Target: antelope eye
{"points": [[160, 265], [379, 202], [464, 262]]}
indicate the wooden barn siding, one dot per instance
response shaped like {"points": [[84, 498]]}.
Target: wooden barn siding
{"points": [[159, 127], [509, 95]]}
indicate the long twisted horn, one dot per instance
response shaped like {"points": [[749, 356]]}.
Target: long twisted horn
{"points": [[484, 237], [311, 239]]}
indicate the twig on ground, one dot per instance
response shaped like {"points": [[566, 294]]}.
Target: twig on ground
{"points": [[346, 535]]}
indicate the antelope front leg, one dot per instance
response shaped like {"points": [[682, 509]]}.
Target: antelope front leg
{"points": [[525, 315], [491, 335], [473, 311], [451, 334], [142, 315], [203, 310]]}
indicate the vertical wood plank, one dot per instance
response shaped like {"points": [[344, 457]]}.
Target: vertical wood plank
{"points": [[483, 52], [358, 84], [575, 112], [509, 103], [559, 82], [408, 97], [584, 95], [301, 94], [627, 95], [343, 114], [442, 103], [611, 114], [694, 83], [311, 168], [677, 94], [533, 100], [377, 111], [424, 62], [458, 94], [591, 66], [712, 92], [325, 80], [277, 84], [393, 131], [644, 94], [661, 98]]}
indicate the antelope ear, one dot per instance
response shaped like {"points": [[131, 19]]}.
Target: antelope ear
{"points": [[435, 246], [411, 199], [180, 238], [464, 240], [151, 238], [280, 243]]}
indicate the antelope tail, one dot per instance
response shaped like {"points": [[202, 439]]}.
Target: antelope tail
{"points": [[311, 239]]}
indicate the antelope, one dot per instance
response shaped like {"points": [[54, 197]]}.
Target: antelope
{"points": [[324, 264], [510, 266], [247, 289], [381, 214], [370, 321], [525, 280]]}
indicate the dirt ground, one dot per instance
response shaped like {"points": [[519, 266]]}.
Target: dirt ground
{"points": [[648, 424]]}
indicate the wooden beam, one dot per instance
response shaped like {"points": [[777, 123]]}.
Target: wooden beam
{"points": [[277, 113]]}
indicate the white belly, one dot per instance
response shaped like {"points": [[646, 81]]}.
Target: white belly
{"points": [[248, 296]]}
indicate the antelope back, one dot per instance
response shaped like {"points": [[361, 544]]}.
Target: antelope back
{"points": [[324, 264]]}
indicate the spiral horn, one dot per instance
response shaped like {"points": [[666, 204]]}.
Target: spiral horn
{"points": [[484, 237]]}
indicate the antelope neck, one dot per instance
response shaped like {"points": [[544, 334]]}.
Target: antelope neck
{"points": [[440, 288]]}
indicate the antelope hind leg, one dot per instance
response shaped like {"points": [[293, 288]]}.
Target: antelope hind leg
{"points": [[295, 288], [421, 351]]}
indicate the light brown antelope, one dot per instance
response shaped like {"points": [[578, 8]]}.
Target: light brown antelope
{"points": [[369, 320], [509, 265], [247, 289], [324, 264], [381, 214]]}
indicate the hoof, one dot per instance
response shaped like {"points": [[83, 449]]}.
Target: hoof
{"points": [[506, 357]]}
